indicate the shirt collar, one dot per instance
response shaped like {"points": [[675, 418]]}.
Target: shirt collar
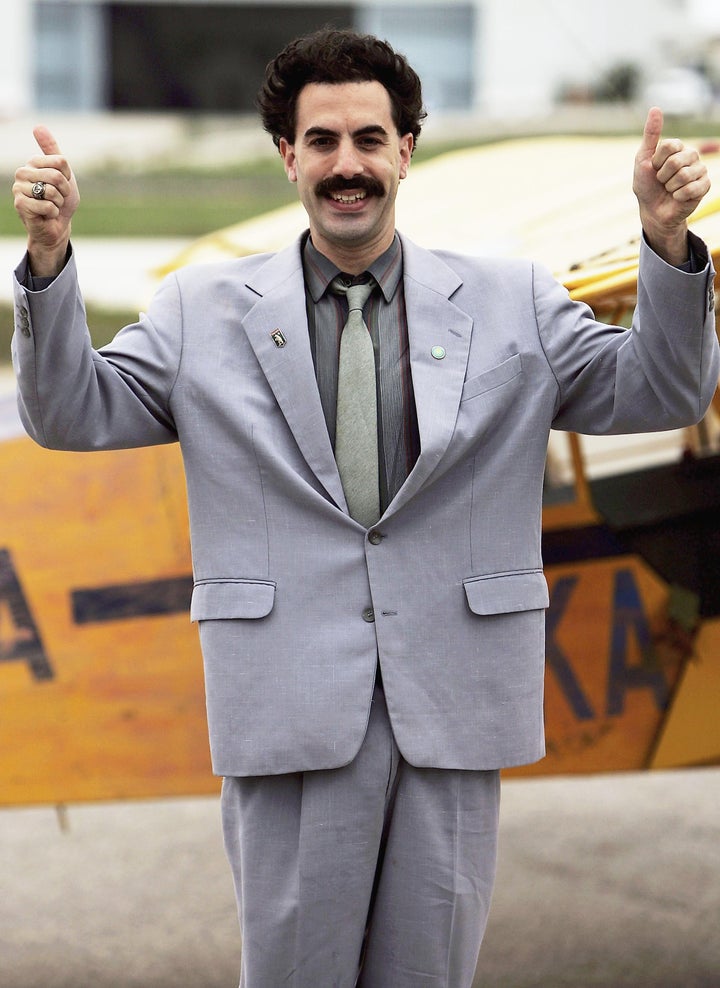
{"points": [[319, 271]]}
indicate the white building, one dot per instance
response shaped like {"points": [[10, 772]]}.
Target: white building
{"points": [[499, 57]]}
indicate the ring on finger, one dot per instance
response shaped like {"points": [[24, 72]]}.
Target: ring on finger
{"points": [[38, 190]]}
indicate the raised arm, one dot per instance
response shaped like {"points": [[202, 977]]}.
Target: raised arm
{"points": [[71, 396]]}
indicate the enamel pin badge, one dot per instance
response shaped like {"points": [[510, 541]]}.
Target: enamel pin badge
{"points": [[278, 338]]}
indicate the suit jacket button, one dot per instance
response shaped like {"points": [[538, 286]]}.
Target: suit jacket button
{"points": [[375, 537], [368, 615]]}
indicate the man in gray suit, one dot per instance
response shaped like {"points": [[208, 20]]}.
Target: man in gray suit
{"points": [[368, 586]]}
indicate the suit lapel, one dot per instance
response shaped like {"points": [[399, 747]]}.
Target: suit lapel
{"points": [[277, 329], [439, 334]]}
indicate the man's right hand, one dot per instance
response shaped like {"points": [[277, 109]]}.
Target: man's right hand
{"points": [[47, 220]]}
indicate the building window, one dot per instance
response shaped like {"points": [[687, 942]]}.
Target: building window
{"points": [[203, 57], [70, 59], [438, 40]]}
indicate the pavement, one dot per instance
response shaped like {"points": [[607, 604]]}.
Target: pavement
{"points": [[605, 881]]}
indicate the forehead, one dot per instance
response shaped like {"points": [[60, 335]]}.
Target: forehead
{"points": [[344, 105]]}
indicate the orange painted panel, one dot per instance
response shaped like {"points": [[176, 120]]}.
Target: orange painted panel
{"points": [[691, 732], [94, 704], [612, 661]]}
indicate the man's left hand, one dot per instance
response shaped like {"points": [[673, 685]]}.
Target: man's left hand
{"points": [[669, 181]]}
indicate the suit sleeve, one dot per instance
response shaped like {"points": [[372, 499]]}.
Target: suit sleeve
{"points": [[661, 374], [73, 397]]}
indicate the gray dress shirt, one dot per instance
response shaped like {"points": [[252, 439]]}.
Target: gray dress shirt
{"points": [[398, 437]]}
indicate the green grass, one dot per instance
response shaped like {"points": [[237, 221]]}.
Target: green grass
{"points": [[170, 204]]}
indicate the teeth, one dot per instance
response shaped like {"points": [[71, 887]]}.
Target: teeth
{"points": [[356, 197]]}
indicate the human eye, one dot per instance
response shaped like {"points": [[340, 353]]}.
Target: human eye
{"points": [[320, 142], [369, 142]]}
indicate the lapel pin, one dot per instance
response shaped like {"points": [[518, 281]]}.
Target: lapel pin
{"points": [[438, 352], [278, 338]]}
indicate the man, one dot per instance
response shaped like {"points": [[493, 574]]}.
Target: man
{"points": [[373, 646]]}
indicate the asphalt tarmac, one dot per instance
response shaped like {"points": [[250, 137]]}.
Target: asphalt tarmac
{"points": [[608, 881]]}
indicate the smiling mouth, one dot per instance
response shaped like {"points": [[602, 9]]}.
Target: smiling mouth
{"points": [[348, 198]]}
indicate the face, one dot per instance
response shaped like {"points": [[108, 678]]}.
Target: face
{"points": [[348, 160]]}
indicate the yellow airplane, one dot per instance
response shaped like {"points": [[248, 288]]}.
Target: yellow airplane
{"points": [[101, 693]]}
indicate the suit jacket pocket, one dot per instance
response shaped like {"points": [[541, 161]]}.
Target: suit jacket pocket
{"points": [[503, 593], [493, 378], [218, 600]]}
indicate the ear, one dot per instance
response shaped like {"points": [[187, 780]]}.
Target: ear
{"points": [[407, 142], [287, 153]]}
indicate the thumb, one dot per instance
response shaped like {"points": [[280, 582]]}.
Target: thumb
{"points": [[652, 131], [45, 140]]}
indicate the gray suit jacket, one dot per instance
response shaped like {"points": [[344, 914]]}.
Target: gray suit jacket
{"points": [[294, 599]]}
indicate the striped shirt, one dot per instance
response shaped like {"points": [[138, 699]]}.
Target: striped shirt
{"points": [[385, 316]]}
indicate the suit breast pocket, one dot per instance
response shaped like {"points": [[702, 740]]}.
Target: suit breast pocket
{"points": [[493, 378]]}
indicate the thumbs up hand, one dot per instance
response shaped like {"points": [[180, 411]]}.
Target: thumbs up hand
{"points": [[46, 197], [669, 181]]}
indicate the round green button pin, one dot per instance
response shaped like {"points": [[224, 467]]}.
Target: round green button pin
{"points": [[438, 352]]}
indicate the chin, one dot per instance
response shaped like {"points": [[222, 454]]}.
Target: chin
{"points": [[348, 232]]}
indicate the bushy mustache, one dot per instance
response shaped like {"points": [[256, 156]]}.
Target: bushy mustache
{"points": [[370, 185]]}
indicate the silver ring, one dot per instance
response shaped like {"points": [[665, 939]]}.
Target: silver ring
{"points": [[38, 190]]}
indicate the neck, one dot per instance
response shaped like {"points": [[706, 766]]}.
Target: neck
{"points": [[349, 258]]}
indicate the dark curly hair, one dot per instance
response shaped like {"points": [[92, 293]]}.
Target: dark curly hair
{"points": [[337, 56]]}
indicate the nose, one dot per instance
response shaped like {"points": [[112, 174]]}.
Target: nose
{"points": [[347, 160]]}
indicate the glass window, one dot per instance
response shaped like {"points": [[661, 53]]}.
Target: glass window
{"points": [[438, 40], [70, 56]]}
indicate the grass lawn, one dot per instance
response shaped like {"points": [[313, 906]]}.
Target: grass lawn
{"points": [[170, 204]]}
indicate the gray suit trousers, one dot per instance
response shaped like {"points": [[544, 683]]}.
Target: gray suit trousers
{"points": [[376, 874]]}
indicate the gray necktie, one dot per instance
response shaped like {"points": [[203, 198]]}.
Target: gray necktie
{"points": [[356, 444]]}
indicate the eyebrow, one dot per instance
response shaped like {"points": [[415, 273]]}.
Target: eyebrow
{"points": [[360, 132]]}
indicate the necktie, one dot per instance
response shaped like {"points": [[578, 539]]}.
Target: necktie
{"points": [[356, 423]]}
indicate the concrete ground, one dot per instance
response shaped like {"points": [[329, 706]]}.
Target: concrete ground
{"points": [[603, 881]]}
